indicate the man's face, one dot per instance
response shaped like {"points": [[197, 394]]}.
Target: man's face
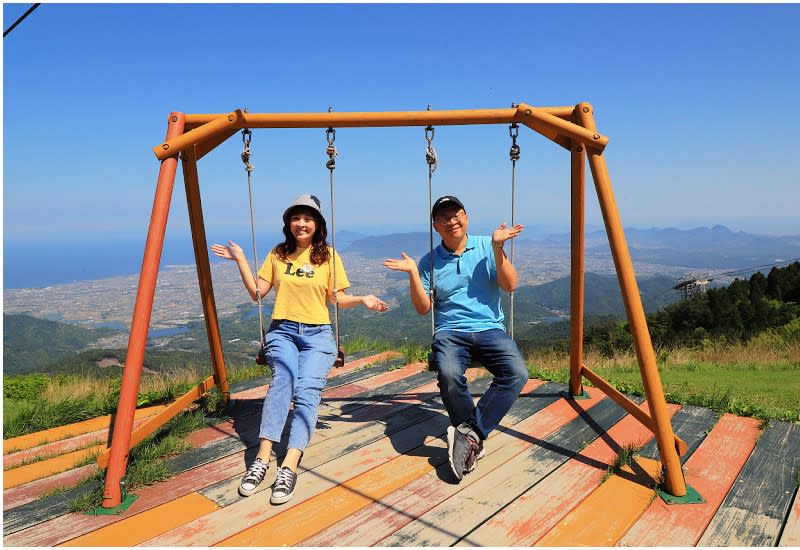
{"points": [[451, 222]]}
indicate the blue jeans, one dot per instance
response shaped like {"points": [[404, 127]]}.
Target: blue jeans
{"points": [[452, 353], [300, 357]]}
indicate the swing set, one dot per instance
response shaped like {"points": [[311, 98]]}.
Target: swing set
{"points": [[192, 136]]}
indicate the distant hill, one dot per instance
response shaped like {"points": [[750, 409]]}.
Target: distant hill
{"points": [[708, 248], [30, 343]]}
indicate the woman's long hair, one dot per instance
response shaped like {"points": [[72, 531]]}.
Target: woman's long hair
{"points": [[319, 245]]}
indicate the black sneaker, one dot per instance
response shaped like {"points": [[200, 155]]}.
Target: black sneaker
{"points": [[463, 448], [283, 489], [253, 478]]}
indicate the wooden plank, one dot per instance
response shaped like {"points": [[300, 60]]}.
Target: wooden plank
{"points": [[311, 480], [594, 522], [380, 519], [346, 440], [711, 471], [135, 529], [69, 525], [37, 512], [755, 509], [477, 501], [44, 468], [23, 442], [790, 537], [245, 512], [333, 505], [62, 446], [539, 509], [17, 496], [693, 424]]}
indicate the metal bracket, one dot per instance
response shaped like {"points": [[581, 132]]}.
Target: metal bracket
{"points": [[127, 500], [584, 395], [691, 497]]}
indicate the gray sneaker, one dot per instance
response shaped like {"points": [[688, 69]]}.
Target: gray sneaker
{"points": [[253, 478], [463, 448], [283, 490]]}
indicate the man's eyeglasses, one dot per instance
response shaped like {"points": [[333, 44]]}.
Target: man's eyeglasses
{"points": [[455, 218]]}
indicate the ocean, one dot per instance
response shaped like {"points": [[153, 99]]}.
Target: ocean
{"points": [[36, 265]]}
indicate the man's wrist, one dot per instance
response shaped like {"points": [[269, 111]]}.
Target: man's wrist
{"points": [[496, 245]]}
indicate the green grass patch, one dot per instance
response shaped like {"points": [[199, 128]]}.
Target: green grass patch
{"points": [[748, 388]]}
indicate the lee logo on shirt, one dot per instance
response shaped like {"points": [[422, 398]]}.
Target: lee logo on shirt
{"points": [[305, 270]]}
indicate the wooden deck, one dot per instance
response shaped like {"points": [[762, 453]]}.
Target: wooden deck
{"points": [[376, 474]]}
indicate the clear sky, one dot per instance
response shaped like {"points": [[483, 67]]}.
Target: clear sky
{"points": [[699, 103]]}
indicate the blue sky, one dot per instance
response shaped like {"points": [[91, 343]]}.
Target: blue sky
{"points": [[698, 102]]}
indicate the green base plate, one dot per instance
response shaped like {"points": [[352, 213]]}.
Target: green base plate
{"points": [[568, 395], [691, 497], [116, 510]]}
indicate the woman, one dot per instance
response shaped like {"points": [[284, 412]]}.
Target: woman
{"points": [[299, 344]]}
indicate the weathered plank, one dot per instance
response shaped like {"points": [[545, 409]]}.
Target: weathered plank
{"points": [[790, 537], [711, 471], [755, 509], [236, 517], [137, 528], [693, 424], [539, 509], [34, 512], [448, 522], [347, 439], [594, 522], [547, 411]]}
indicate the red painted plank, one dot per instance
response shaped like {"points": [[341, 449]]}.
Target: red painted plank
{"points": [[711, 470]]}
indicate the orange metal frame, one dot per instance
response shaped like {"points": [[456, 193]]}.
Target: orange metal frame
{"points": [[194, 136]]}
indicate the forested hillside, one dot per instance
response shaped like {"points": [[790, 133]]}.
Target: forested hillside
{"points": [[29, 342], [744, 309]]}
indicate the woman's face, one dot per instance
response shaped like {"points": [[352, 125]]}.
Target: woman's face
{"points": [[303, 225]]}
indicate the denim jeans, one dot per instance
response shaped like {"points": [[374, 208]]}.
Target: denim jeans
{"points": [[452, 353], [300, 357]]}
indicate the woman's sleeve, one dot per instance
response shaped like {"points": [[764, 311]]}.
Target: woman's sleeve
{"points": [[341, 277]]}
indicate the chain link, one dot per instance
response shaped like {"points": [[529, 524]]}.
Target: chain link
{"points": [[246, 137]]}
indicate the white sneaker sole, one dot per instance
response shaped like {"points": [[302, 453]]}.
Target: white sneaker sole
{"points": [[451, 440]]}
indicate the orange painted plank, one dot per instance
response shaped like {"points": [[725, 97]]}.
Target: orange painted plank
{"points": [[328, 472], [60, 529], [379, 520], [44, 468], [333, 505], [62, 446], [606, 514], [62, 432], [141, 527], [711, 471], [537, 511], [791, 530]]}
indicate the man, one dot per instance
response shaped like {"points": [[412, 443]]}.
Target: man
{"points": [[468, 274]]}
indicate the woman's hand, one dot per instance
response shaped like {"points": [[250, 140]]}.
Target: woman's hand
{"points": [[374, 303], [406, 263], [231, 252]]}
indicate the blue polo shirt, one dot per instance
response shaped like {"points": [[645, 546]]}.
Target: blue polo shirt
{"points": [[466, 295]]}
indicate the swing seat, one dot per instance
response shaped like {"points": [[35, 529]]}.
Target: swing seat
{"points": [[339, 358]]}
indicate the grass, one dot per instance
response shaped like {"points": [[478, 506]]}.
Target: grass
{"points": [[624, 458], [757, 380]]}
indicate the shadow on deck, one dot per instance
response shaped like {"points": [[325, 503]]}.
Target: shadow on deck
{"points": [[376, 473]]}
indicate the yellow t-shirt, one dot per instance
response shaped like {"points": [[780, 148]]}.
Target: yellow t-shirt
{"points": [[300, 287]]}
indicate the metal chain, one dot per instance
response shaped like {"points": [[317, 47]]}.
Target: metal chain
{"points": [[513, 131], [330, 136], [246, 137], [433, 161]]}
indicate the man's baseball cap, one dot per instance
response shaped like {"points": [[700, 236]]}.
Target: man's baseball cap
{"points": [[447, 200]]}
